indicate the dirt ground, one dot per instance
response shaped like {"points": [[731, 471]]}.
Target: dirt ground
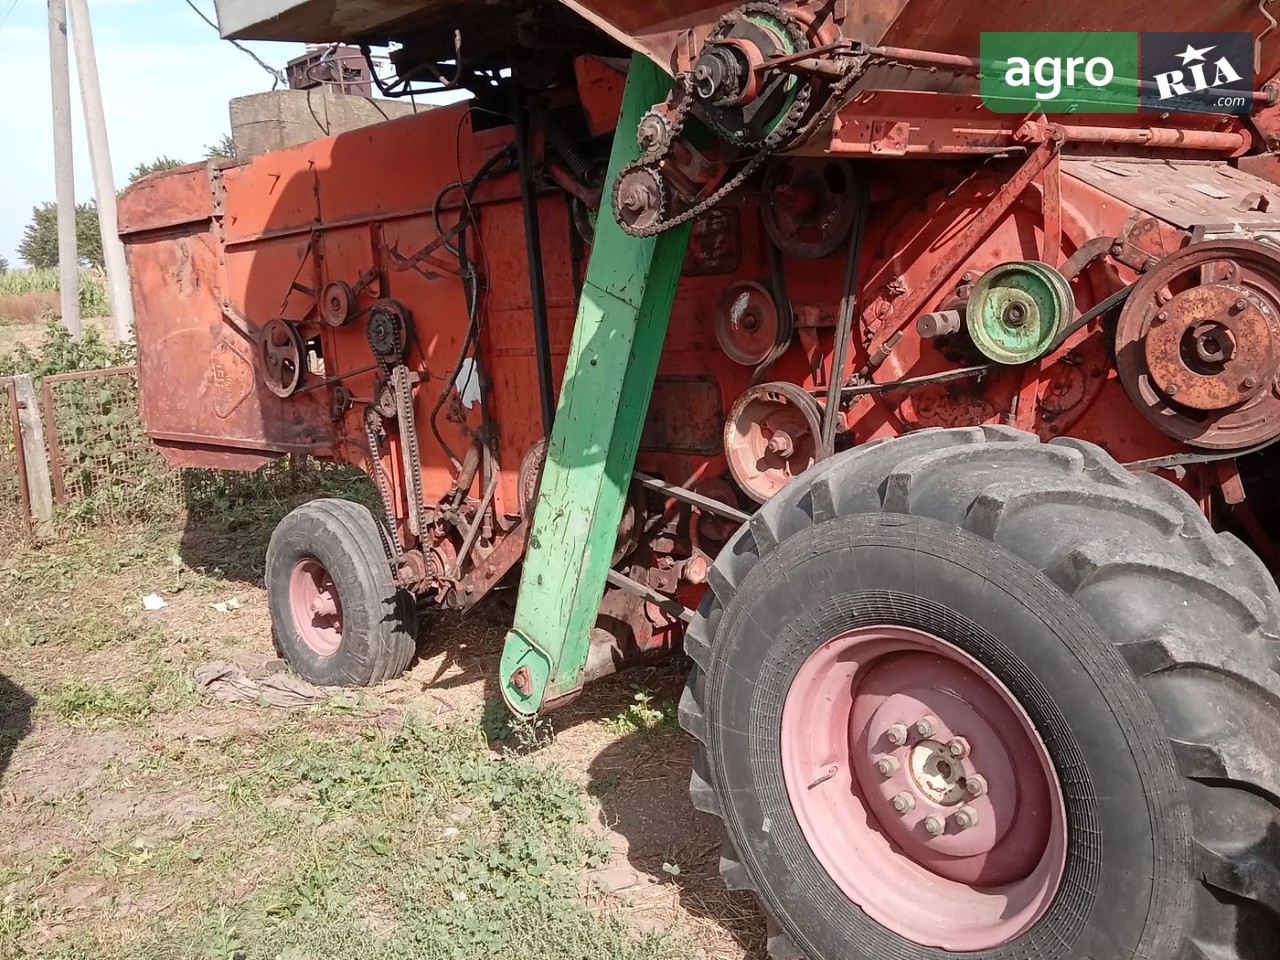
{"points": [[139, 816]]}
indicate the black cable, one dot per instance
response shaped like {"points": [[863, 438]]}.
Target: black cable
{"points": [[844, 330], [471, 284], [277, 75], [401, 88], [533, 250]]}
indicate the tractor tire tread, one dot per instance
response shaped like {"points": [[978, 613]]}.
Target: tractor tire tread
{"points": [[1206, 614], [393, 641]]}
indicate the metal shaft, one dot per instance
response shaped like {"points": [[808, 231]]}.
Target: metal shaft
{"points": [[103, 180], [63, 170]]}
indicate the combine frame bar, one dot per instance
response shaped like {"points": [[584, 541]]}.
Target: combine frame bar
{"points": [[613, 359]]}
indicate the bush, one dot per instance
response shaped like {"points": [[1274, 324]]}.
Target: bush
{"points": [[58, 353]]}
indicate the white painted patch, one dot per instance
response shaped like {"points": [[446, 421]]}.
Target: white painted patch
{"points": [[468, 383]]}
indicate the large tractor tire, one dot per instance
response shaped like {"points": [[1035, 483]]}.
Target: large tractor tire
{"points": [[339, 619], [966, 692]]}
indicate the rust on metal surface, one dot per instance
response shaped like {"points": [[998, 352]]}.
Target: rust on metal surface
{"points": [[888, 323], [1211, 347], [1196, 344]]}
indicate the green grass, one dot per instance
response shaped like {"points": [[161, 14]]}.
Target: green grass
{"points": [[420, 843], [323, 836], [644, 715]]}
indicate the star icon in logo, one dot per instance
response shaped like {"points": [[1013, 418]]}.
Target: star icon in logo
{"points": [[1191, 53]]}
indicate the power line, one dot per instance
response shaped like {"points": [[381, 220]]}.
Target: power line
{"points": [[5, 18], [278, 77]]}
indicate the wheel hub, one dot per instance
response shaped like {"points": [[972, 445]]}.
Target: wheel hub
{"points": [[923, 788], [316, 606], [936, 774]]}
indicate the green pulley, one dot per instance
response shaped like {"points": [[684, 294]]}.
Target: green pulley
{"points": [[1016, 309]]}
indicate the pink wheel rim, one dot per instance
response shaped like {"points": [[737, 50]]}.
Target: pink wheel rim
{"points": [[923, 788], [316, 607]]}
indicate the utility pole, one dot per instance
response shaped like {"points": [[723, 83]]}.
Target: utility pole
{"points": [[103, 180], [63, 171]]}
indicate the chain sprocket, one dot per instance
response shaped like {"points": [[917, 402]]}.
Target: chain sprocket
{"points": [[681, 103]]}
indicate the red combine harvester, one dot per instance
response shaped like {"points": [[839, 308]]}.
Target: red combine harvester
{"points": [[954, 426]]}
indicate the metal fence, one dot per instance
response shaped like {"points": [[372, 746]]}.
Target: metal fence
{"points": [[101, 463], [95, 464]]}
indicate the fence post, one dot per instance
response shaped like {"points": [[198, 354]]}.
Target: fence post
{"points": [[39, 489]]}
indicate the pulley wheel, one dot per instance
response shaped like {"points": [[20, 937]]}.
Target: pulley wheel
{"points": [[747, 323], [811, 207], [1017, 309], [280, 349], [1198, 344], [337, 303], [771, 437]]}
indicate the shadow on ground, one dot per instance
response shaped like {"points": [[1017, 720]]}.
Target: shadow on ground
{"points": [[15, 719], [641, 781]]}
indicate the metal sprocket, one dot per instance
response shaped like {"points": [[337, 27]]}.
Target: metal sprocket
{"points": [[681, 103]]}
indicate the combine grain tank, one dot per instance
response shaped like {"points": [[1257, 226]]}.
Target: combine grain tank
{"points": [[940, 438]]}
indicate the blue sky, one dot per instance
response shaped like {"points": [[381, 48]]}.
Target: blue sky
{"points": [[166, 80]]}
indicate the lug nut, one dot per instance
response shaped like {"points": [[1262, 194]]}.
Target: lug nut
{"points": [[1250, 383], [897, 734], [976, 785], [966, 817], [925, 726], [933, 826], [886, 766], [958, 748], [904, 803]]}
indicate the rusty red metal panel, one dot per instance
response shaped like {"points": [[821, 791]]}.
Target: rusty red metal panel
{"points": [[186, 195]]}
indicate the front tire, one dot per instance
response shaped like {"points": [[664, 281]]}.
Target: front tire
{"points": [[339, 619], [979, 578]]}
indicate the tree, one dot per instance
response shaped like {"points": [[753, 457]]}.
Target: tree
{"points": [[155, 166], [223, 149], [39, 246], [4, 265]]}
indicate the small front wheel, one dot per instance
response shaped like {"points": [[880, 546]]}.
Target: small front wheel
{"points": [[339, 618]]}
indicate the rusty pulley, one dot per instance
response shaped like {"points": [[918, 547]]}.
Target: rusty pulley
{"points": [[749, 326], [812, 204], [1198, 344], [281, 353], [337, 303], [772, 436]]}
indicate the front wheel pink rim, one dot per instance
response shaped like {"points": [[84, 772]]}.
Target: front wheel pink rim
{"points": [[315, 606], [923, 788]]}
